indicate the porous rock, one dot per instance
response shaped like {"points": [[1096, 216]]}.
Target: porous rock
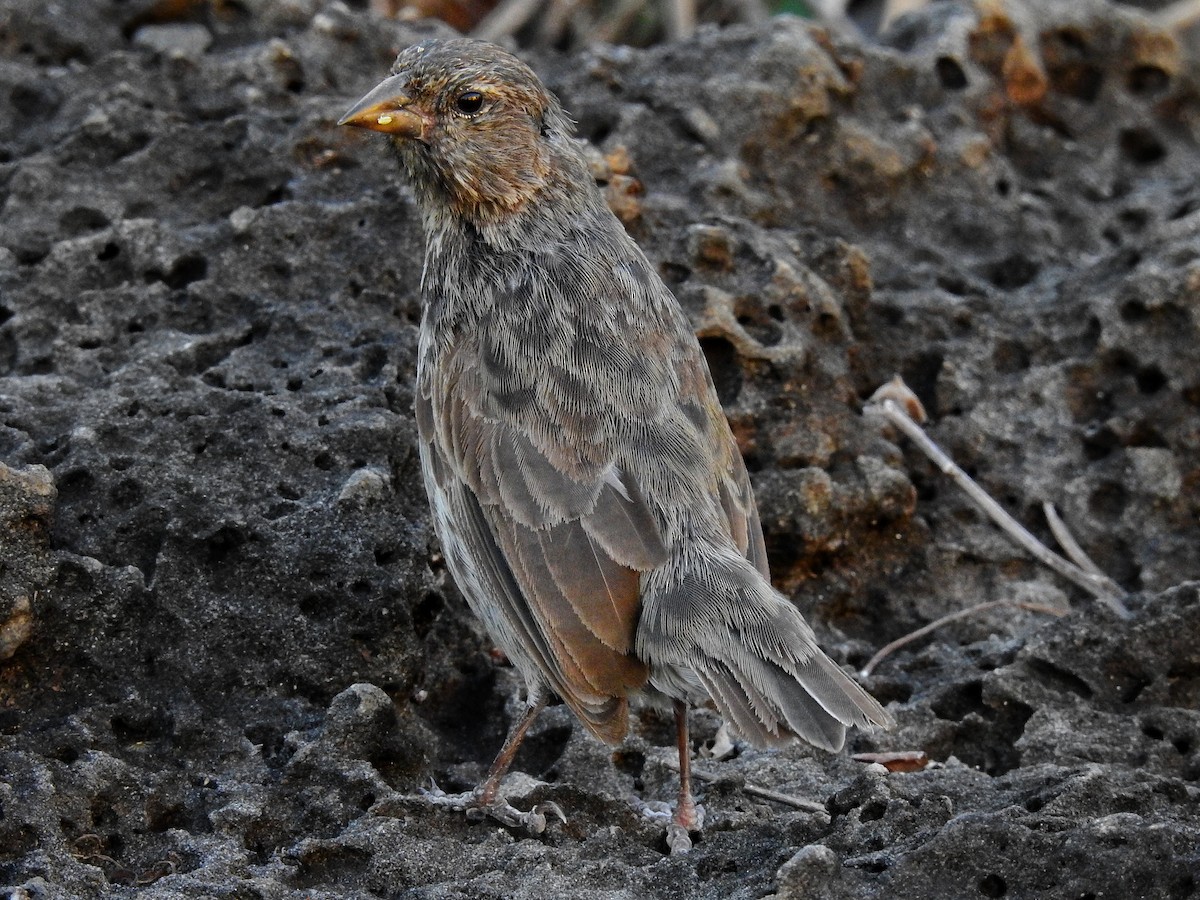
{"points": [[244, 656]]}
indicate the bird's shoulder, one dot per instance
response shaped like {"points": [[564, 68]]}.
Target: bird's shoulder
{"points": [[577, 349]]}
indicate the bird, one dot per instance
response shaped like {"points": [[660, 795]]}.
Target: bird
{"points": [[592, 503]]}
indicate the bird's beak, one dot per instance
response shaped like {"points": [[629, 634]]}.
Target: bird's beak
{"points": [[386, 109]]}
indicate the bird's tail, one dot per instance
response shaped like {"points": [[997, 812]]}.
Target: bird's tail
{"points": [[716, 624]]}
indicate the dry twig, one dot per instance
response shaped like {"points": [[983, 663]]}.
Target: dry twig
{"points": [[1178, 16], [556, 21], [680, 18], [930, 627], [506, 19], [1067, 541], [754, 790], [896, 403]]}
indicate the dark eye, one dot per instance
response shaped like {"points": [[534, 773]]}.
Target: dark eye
{"points": [[469, 103]]}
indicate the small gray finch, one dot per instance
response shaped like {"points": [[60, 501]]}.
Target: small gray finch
{"points": [[590, 498]]}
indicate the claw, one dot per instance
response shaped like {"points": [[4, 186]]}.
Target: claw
{"points": [[433, 793], [549, 806], [479, 813], [533, 821], [476, 809]]}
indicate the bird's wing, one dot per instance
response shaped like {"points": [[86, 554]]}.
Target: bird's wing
{"points": [[560, 554], [737, 500], [698, 397]]}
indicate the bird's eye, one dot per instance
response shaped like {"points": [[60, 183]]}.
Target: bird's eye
{"points": [[469, 103]]}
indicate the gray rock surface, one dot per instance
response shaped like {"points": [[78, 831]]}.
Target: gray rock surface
{"points": [[235, 654]]}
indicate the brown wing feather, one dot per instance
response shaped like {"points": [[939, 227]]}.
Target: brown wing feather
{"points": [[586, 665], [564, 556], [616, 588]]}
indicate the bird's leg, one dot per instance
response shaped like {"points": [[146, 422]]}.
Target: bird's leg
{"points": [[688, 816], [489, 789], [485, 800]]}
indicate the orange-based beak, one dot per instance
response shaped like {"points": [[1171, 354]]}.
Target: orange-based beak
{"points": [[385, 109]]}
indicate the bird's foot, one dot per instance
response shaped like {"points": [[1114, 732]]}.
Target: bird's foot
{"points": [[680, 821], [689, 817], [678, 839], [477, 807], [533, 821]]}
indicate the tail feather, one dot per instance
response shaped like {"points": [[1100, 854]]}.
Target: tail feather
{"points": [[755, 656], [785, 706], [741, 710], [840, 695], [805, 715]]}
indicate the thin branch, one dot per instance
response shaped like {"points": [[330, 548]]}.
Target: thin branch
{"points": [[888, 649], [754, 790], [506, 19], [1179, 15], [555, 21], [1067, 541], [680, 19], [890, 402], [767, 794]]}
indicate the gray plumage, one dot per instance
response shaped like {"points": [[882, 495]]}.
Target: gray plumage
{"points": [[590, 497]]}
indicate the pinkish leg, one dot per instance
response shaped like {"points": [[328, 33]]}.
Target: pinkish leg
{"points": [[485, 800], [688, 817]]}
